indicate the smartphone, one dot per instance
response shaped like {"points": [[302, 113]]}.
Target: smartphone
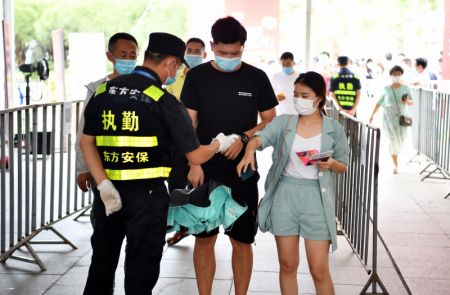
{"points": [[404, 97], [247, 174]]}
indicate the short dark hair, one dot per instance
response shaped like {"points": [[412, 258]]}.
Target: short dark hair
{"points": [[228, 30], [287, 55], [342, 60], [196, 40], [422, 62], [316, 82], [157, 58], [388, 56], [120, 36], [395, 69]]}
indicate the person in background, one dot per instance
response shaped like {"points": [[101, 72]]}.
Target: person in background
{"points": [[283, 84], [325, 68], [409, 73], [345, 87], [194, 56], [394, 100], [122, 52], [299, 199], [227, 94], [422, 78]]}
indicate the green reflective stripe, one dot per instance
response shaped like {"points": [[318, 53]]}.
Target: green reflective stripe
{"points": [[134, 174], [346, 103], [345, 92], [127, 141], [154, 92], [100, 89]]}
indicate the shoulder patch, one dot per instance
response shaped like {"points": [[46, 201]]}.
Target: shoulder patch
{"points": [[100, 89], [154, 92]]}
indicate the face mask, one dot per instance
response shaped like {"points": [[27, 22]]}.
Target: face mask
{"points": [[395, 79], [227, 64], [170, 80], [124, 66], [304, 107], [288, 70], [193, 60]]}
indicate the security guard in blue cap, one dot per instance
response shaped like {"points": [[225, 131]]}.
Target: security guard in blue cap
{"points": [[131, 126]]}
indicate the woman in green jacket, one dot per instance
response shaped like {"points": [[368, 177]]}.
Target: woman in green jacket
{"points": [[299, 199]]}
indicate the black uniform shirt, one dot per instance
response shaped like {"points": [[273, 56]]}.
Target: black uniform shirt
{"points": [[165, 117]]}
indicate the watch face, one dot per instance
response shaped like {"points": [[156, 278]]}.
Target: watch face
{"points": [[244, 138]]}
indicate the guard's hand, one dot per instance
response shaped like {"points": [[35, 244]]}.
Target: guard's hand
{"points": [[225, 141], [234, 150], [110, 197], [352, 112], [323, 166], [196, 177], [84, 181], [248, 159]]}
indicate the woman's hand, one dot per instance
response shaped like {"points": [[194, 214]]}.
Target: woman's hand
{"points": [[327, 165], [247, 160], [332, 165]]}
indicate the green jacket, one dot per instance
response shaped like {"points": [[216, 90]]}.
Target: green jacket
{"points": [[223, 210], [280, 134]]}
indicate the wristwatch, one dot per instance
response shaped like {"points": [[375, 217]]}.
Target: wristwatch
{"points": [[244, 138]]}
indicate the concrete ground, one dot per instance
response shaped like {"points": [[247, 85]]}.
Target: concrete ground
{"points": [[414, 221]]}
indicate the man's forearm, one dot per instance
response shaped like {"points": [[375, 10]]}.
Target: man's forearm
{"points": [[92, 159], [357, 98], [203, 153], [250, 133], [266, 118]]}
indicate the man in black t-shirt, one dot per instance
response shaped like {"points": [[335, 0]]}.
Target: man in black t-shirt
{"points": [[226, 95]]}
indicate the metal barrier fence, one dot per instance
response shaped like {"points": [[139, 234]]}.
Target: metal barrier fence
{"points": [[431, 131], [38, 179], [357, 194]]}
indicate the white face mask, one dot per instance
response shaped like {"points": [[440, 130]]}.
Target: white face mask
{"points": [[304, 107], [395, 79]]}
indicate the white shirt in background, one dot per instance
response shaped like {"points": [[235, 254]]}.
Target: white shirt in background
{"points": [[283, 83], [422, 78], [295, 167]]}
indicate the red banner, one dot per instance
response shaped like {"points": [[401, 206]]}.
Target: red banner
{"points": [[446, 51], [261, 20]]}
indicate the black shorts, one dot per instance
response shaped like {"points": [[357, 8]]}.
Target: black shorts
{"points": [[245, 193]]}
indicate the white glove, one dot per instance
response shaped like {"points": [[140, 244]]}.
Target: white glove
{"points": [[110, 197], [225, 141]]}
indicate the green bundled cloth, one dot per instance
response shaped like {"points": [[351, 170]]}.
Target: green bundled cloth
{"points": [[221, 209]]}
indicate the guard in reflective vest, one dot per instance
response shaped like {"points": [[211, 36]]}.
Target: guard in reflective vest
{"points": [[131, 126], [345, 87]]}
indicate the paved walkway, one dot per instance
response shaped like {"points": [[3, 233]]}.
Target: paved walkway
{"points": [[414, 221]]}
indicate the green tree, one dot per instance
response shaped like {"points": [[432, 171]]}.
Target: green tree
{"points": [[35, 19]]}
